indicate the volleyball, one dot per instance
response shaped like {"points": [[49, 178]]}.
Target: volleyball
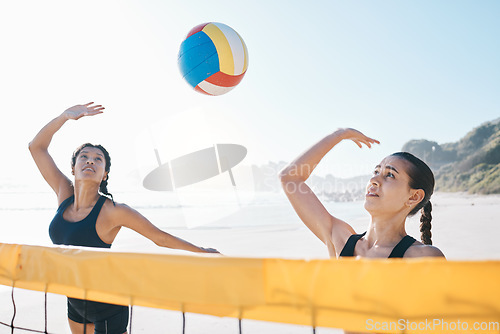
{"points": [[213, 58]]}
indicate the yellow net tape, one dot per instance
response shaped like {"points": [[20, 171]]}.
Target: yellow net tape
{"points": [[358, 295]]}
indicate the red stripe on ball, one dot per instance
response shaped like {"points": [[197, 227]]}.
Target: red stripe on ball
{"points": [[224, 80], [196, 29]]}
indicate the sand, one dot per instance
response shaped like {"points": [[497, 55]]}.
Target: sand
{"points": [[465, 227]]}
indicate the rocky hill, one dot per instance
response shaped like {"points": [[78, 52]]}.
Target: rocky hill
{"points": [[472, 164]]}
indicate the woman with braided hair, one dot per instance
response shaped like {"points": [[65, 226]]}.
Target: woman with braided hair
{"points": [[88, 216], [401, 186]]}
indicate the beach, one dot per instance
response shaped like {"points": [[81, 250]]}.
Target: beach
{"points": [[464, 227]]}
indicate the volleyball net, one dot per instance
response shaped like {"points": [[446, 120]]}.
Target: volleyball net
{"points": [[365, 295]]}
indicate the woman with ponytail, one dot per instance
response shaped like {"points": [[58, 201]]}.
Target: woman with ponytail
{"points": [[401, 186], [88, 216]]}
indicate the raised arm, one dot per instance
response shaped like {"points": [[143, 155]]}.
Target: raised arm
{"points": [[332, 231], [40, 144]]}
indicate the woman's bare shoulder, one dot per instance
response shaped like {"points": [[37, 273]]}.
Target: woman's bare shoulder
{"points": [[115, 208], [418, 249], [120, 214]]}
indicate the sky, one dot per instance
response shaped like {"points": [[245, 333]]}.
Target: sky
{"points": [[395, 70]]}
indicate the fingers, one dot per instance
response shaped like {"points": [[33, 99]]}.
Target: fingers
{"points": [[96, 108], [92, 113], [359, 138], [210, 250], [373, 141], [367, 141], [90, 106], [93, 110]]}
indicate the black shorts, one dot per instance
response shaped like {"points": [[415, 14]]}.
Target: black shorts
{"points": [[107, 318]]}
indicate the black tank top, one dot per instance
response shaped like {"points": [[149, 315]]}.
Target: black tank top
{"points": [[81, 233], [398, 250]]}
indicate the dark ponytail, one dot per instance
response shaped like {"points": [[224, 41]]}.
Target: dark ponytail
{"points": [[425, 224], [103, 187], [421, 177]]}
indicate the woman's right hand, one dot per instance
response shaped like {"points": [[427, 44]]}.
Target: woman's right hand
{"points": [[357, 137], [80, 110]]}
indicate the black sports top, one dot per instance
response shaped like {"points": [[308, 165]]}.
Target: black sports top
{"points": [[81, 233], [398, 251]]}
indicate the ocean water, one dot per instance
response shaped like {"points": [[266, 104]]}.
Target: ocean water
{"points": [[254, 224]]}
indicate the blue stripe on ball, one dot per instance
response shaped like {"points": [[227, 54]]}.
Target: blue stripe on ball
{"points": [[198, 58]]}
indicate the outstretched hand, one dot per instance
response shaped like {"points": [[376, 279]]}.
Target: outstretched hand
{"points": [[358, 137], [209, 250], [80, 110]]}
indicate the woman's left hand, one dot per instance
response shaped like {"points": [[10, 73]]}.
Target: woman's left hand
{"points": [[81, 110], [357, 137]]}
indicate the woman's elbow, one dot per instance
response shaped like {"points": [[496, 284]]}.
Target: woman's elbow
{"points": [[286, 174], [282, 176], [33, 147], [289, 175]]}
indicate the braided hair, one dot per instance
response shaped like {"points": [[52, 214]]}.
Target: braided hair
{"points": [[421, 177], [103, 187], [425, 224]]}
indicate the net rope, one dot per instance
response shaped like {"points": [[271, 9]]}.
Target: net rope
{"points": [[130, 325], [14, 313]]}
